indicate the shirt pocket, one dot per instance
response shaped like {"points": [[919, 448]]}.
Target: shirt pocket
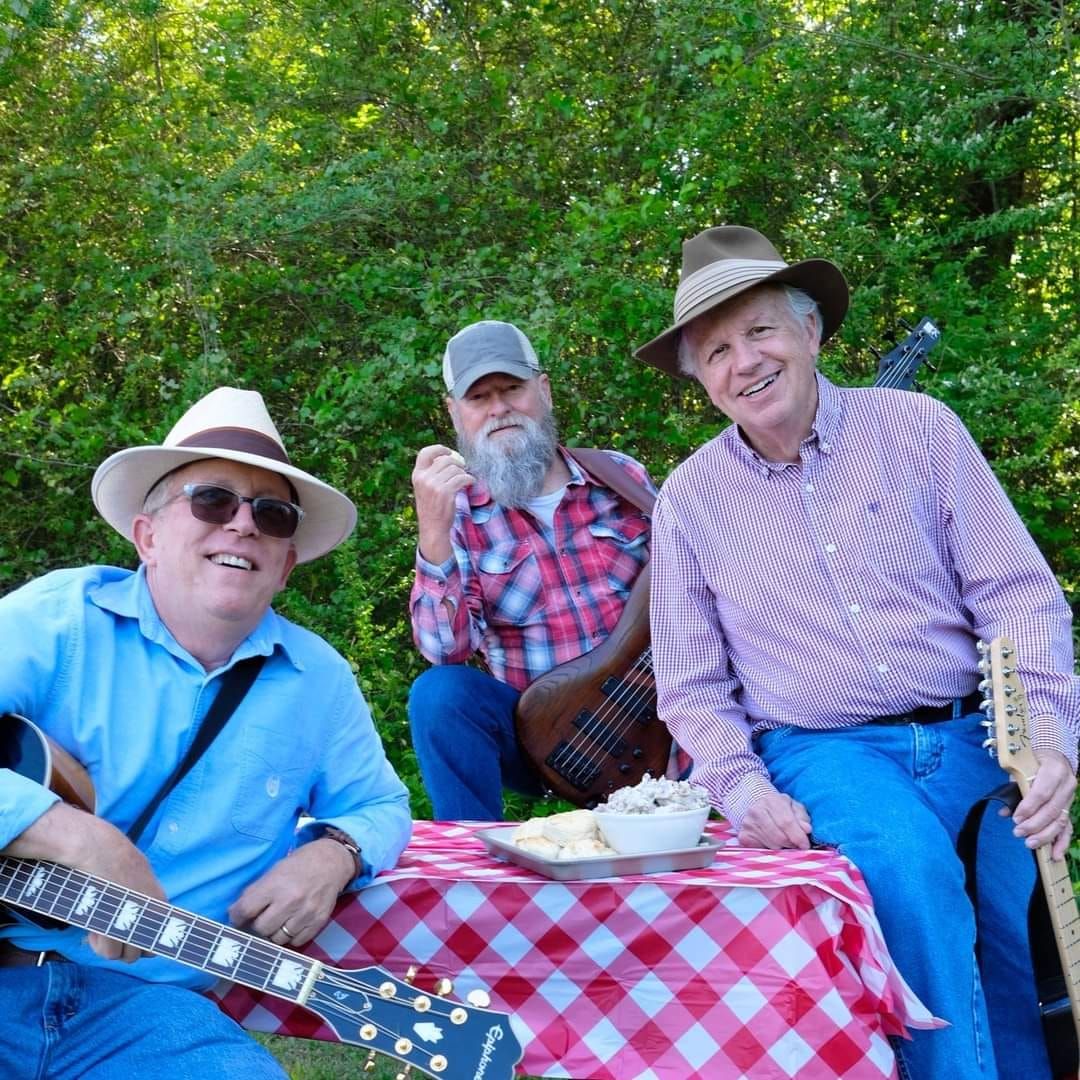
{"points": [[902, 543], [623, 547], [512, 583], [272, 784]]}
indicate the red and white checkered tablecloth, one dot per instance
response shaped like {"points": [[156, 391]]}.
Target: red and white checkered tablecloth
{"points": [[767, 964]]}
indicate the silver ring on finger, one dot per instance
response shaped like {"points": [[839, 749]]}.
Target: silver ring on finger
{"points": [[286, 931]]}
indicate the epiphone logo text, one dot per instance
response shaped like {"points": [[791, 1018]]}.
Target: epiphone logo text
{"points": [[494, 1034]]}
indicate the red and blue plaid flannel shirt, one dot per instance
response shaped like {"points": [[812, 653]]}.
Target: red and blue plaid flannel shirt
{"points": [[527, 597]]}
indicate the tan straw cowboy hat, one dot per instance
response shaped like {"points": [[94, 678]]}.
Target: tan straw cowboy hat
{"points": [[234, 425], [724, 261]]}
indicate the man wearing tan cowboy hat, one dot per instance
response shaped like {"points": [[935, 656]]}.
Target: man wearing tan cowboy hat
{"points": [[822, 570], [120, 668], [523, 555]]}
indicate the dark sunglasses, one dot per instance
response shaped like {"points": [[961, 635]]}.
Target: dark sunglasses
{"points": [[218, 506]]}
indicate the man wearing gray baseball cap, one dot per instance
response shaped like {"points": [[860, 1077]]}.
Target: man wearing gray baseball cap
{"points": [[524, 555]]}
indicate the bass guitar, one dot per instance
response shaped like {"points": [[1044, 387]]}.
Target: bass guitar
{"points": [[366, 1007], [1010, 740], [589, 726]]}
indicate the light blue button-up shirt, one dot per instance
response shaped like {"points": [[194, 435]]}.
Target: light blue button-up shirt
{"points": [[84, 654]]}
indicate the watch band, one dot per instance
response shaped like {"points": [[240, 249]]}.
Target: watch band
{"points": [[346, 841]]}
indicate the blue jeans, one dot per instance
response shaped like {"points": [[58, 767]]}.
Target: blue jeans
{"points": [[61, 1021], [893, 798], [462, 724]]}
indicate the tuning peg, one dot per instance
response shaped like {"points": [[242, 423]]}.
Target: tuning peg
{"points": [[370, 1064], [478, 998], [988, 724], [410, 974], [877, 355], [1006, 652], [989, 744], [404, 1074], [986, 705], [981, 646], [443, 987], [983, 666], [986, 686]]}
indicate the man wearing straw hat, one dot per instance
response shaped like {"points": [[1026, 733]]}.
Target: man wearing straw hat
{"points": [[822, 570], [121, 668]]}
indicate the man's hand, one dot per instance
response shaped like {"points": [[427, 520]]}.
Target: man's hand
{"points": [[776, 821], [437, 477], [75, 838], [1043, 814], [293, 900]]}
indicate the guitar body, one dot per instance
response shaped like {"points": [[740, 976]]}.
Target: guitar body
{"points": [[590, 726], [366, 1007], [1053, 915]]}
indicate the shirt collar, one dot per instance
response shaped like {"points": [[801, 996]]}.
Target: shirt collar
{"points": [[129, 597], [823, 430]]}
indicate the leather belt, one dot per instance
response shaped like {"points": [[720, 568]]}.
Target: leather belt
{"points": [[13, 956], [934, 714]]}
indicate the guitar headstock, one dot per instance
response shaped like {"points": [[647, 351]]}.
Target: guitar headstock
{"points": [[1005, 705], [898, 366], [430, 1032]]}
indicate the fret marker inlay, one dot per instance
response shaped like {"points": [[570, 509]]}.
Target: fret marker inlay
{"points": [[227, 952], [288, 975], [87, 901], [172, 935], [128, 914]]}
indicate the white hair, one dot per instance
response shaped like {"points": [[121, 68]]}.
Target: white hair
{"points": [[802, 304]]}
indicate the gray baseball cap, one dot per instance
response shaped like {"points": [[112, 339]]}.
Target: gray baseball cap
{"points": [[484, 348]]}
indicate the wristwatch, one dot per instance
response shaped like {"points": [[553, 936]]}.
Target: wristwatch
{"points": [[346, 841]]}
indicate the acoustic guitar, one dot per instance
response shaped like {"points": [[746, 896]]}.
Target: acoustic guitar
{"points": [[366, 1007], [589, 726], [1006, 710]]}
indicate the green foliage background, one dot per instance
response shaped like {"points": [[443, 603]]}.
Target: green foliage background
{"points": [[309, 198]]}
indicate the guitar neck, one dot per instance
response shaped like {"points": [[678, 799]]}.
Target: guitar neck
{"points": [[157, 927], [1065, 918]]}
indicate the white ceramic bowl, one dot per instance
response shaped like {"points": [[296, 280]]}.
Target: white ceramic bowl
{"points": [[638, 834]]}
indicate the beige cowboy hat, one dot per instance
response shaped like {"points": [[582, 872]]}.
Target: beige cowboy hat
{"points": [[724, 261], [234, 425]]}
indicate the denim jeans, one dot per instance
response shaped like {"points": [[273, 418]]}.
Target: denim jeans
{"points": [[893, 798], [462, 724], [61, 1021]]}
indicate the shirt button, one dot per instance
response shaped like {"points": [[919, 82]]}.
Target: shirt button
{"points": [[808, 487], [854, 609], [830, 549], [883, 669], [173, 827], [825, 446]]}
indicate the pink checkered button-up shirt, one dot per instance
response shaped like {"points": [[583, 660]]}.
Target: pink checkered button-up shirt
{"points": [[850, 585], [527, 597]]}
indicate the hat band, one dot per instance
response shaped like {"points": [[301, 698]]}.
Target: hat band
{"points": [[717, 277], [243, 440]]}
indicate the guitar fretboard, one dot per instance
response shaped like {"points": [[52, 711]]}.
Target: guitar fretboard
{"points": [[90, 902], [1065, 916]]}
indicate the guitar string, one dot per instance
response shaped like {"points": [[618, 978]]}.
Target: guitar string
{"points": [[605, 735], [202, 933]]}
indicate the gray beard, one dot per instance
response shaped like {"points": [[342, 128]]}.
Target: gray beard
{"points": [[513, 468]]}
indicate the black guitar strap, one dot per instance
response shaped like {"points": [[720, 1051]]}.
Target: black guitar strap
{"points": [[1050, 983], [603, 467], [235, 683]]}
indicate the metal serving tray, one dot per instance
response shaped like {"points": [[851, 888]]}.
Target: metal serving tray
{"points": [[497, 841]]}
